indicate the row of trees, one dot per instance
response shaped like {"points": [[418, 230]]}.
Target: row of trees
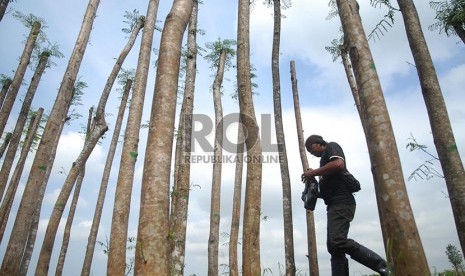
{"points": [[161, 238]]}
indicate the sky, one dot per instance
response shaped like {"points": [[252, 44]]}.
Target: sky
{"points": [[327, 109]]}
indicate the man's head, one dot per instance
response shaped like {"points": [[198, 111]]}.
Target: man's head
{"points": [[315, 145]]}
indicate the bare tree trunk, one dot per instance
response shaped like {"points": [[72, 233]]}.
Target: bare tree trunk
{"points": [[22, 117], [72, 208], [44, 158], [119, 225], [152, 255], [236, 209], [6, 141], [7, 201], [401, 239], [444, 140], [104, 183], [19, 75], [213, 239], [31, 238], [5, 87], [311, 233], [278, 119], [180, 196], [252, 205]]}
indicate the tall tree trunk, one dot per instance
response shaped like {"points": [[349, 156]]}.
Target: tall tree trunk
{"points": [[278, 119], [236, 208], [152, 256], [213, 239], [119, 224], [45, 154], [311, 233], [6, 141], [7, 201], [401, 239], [6, 85], [252, 205], [444, 140], [19, 75], [180, 196], [104, 183], [72, 208], [31, 238], [22, 117]]}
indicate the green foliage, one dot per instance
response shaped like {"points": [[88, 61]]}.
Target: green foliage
{"points": [[29, 20], [387, 22], [336, 48], [51, 50], [427, 169], [449, 14], [215, 51], [4, 78], [455, 258], [132, 19], [130, 246]]}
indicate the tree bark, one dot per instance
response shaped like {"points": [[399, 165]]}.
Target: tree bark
{"points": [[3, 6], [72, 208], [45, 154], [19, 75], [104, 183], [7, 201], [252, 204], [22, 117], [278, 119], [236, 209], [401, 239], [180, 195], [119, 225], [152, 253], [441, 128], [311, 233], [215, 209], [5, 87]]}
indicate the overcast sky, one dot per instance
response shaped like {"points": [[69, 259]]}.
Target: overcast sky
{"points": [[327, 109]]}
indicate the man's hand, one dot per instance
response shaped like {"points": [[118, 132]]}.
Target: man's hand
{"points": [[307, 175]]}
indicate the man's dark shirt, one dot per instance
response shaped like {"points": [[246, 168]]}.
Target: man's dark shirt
{"points": [[332, 189]]}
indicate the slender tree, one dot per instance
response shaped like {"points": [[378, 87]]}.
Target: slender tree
{"points": [[236, 208], [45, 154], [7, 201], [119, 225], [152, 254], [278, 119], [22, 117], [20, 71], [444, 140], [400, 233], [72, 208], [252, 205], [311, 233], [181, 189], [218, 59], [104, 183]]}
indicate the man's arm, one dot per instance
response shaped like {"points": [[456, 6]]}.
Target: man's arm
{"points": [[337, 164]]}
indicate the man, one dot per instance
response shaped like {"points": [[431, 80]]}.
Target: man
{"points": [[340, 208]]}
